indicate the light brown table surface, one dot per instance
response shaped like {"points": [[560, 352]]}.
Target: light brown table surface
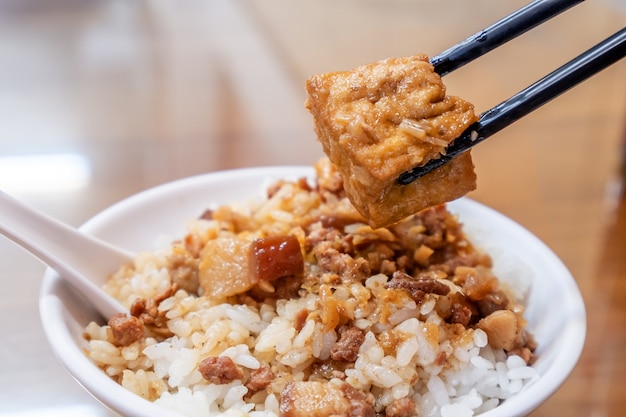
{"points": [[148, 92]]}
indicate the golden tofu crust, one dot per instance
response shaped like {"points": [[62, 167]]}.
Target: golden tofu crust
{"points": [[382, 119]]}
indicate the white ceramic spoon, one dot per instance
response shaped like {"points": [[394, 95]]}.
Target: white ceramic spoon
{"points": [[82, 260]]}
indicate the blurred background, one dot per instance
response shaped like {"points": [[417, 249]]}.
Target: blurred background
{"points": [[102, 99]]}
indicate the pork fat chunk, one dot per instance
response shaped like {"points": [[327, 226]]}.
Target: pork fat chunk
{"points": [[323, 399]]}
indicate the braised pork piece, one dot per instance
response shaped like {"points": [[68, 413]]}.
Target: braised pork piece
{"points": [[382, 119]]}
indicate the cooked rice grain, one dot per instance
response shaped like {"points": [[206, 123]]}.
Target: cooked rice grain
{"points": [[415, 344]]}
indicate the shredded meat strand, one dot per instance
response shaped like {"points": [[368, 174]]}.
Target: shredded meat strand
{"points": [[346, 349], [219, 370], [418, 287], [259, 379], [125, 329], [403, 407]]}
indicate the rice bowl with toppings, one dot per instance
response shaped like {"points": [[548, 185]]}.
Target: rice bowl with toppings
{"points": [[367, 330]]}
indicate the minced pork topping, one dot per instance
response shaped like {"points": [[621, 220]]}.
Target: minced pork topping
{"points": [[296, 306]]}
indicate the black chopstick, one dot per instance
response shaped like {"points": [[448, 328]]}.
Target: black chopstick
{"points": [[513, 25], [554, 84]]}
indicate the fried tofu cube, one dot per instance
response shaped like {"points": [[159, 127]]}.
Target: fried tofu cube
{"points": [[382, 119]]}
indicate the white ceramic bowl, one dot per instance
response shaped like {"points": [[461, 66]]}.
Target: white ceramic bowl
{"points": [[555, 312]]}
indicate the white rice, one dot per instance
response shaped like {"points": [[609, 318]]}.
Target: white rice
{"points": [[473, 378]]}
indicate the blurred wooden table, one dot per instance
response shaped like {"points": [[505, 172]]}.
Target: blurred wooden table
{"points": [[140, 93]]}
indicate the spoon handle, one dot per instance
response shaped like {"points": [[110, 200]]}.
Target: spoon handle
{"points": [[82, 260]]}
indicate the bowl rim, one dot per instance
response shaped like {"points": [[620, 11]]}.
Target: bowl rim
{"points": [[54, 315]]}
